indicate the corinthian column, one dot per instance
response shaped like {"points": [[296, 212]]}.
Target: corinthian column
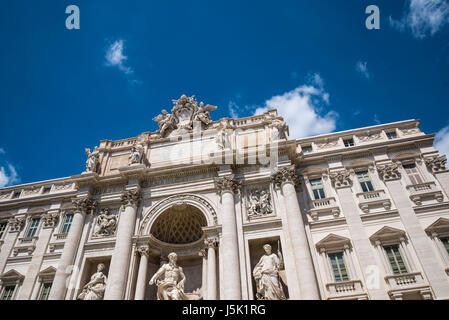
{"points": [[286, 179], [227, 186], [59, 287], [211, 244], [142, 275], [118, 271]]}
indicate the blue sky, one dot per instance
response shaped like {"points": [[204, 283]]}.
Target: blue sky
{"points": [[64, 90]]}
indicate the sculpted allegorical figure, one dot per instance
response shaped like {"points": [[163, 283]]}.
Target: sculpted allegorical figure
{"points": [[106, 224], [266, 274], [202, 113], [169, 288], [94, 289], [136, 155], [92, 160], [166, 122]]}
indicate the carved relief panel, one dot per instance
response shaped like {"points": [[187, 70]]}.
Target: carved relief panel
{"points": [[259, 202]]}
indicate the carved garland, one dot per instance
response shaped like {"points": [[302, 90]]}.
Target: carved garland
{"points": [[389, 172], [436, 164], [16, 224], [50, 219], [341, 179]]}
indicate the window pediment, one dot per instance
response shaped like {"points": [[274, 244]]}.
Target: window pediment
{"points": [[439, 226], [388, 233], [11, 275], [333, 241]]}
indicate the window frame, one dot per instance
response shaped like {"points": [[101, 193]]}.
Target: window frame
{"points": [[42, 288], [63, 222], [413, 176], [349, 145], [4, 287], [401, 255], [3, 232], [35, 228], [345, 265], [369, 180], [321, 192]]}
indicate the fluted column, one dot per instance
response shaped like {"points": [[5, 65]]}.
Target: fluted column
{"points": [[118, 271], [231, 264], [142, 275], [59, 286], [211, 245], [286, 179]]}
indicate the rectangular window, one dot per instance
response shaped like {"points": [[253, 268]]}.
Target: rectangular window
{"points": [[338, 267], [16, 194], [7, 293], [33, 227], [306, 149], [413, 173], [445, 243], [392, 135], [365, 181], [46, 287], [46, 190], [349, 143], [67, 223], [317, 188], [2, 229], [395, 259]]}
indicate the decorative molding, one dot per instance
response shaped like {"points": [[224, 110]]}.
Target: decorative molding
{"points": [[285, 175], [50, 219], [105, 224], [436, 164], [211, 242], [228, 183], [84, 205], [341, 179], [16, 224], [143, 250], [389, 172], [131, 198]]}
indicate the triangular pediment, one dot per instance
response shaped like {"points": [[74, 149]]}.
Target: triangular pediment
{"points": [[441, 225], [11, 275], [333, 240], [48, 271], [387, 233]]}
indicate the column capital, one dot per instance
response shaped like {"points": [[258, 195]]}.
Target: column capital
{"points": [[285, 175], [203, 253], [389, 172], [131, 198], [50, 218], [341, 179], [143, 250], [228, 184], [84, 205], [16, 224], [436, 163], [211, 242]]}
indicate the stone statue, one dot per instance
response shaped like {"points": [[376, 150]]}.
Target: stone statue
{"points": [[170, 288], [92, 161], [94, 289], [166, 122], [266, 275], [202, 113], [278, 127], [106, 224], [136, 155]]}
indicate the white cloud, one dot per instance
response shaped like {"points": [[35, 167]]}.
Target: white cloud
{"points": [[301, 109], [423, 17], [2, 151], [8, 176], [376, 119], [233, 109], [442, 141], [115, 57], [362, 68]]}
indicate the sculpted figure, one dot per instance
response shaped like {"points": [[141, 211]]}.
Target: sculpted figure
{"points": [[202, 113], [136, 155], [169, 288], [259, 203], [92, 160], [166, 122], [266, 274], [94, 289], [106, 224], [278, 127]]}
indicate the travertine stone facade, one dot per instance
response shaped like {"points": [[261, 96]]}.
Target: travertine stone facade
{"points": [[359, 214]]}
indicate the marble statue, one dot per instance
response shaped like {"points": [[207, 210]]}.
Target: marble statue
{"points": [[136, 155], [170, 288], [202, 113], [266, 275], [166, 122], [94, 289], [92, 160], [106, 224], [278, 127]]}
